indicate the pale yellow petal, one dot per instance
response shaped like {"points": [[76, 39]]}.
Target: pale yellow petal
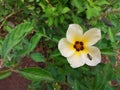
{"points": [[76, 60], [74, 33], [65, 47], [92, 36], [94, 56]]}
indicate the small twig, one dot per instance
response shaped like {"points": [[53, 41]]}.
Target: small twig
{"points": [[105, 14], [3, 21], [110, 12], [16, 71], [1, 63]]}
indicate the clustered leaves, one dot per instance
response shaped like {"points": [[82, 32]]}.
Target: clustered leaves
{"points": [[32, 28]]}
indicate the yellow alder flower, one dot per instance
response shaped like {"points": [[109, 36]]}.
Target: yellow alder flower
{"points": [[77, 47]]}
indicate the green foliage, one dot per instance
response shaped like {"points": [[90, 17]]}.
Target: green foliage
{"points": [[33, 28], [1, 42], [5, 74], [33, 42], [14, 38], [37, 57], [90, 12], [102, 81], [36, 74]]}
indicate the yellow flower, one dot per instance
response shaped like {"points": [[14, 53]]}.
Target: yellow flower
{"points": [[77, 47]]}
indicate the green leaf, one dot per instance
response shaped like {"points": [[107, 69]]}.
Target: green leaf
{"points": [[108, 71], [79, 4], [8, 29], [1, 42], [108, 87], [37, 57], [65, 10], [30, 7], [98, 80], [90, 12], [103, 77], [54, 54], [111, 35], [108, 52], [36, 74], [101, 2], [34, 41], [5, 74], [50, 21], [22, 1], [14, 37], [76, 85]]}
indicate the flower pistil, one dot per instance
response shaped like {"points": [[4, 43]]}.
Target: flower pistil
{"points": [[78, 46]]}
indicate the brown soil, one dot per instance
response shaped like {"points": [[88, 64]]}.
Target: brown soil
{"points": [[14, 82]]}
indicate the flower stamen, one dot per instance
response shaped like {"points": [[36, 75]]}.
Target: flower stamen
{"points": [[78, 46]]}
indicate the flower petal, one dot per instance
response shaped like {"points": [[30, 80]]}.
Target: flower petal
{"points": [[65, 47], [74, 32], [92, 36], [76, 60], [93, 57]]}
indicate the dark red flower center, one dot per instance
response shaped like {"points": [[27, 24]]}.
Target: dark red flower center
{"points": [[79, 45]]}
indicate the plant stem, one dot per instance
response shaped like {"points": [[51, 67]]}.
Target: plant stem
{"points": [[105, 14], [110, 12], [3, 21]]}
